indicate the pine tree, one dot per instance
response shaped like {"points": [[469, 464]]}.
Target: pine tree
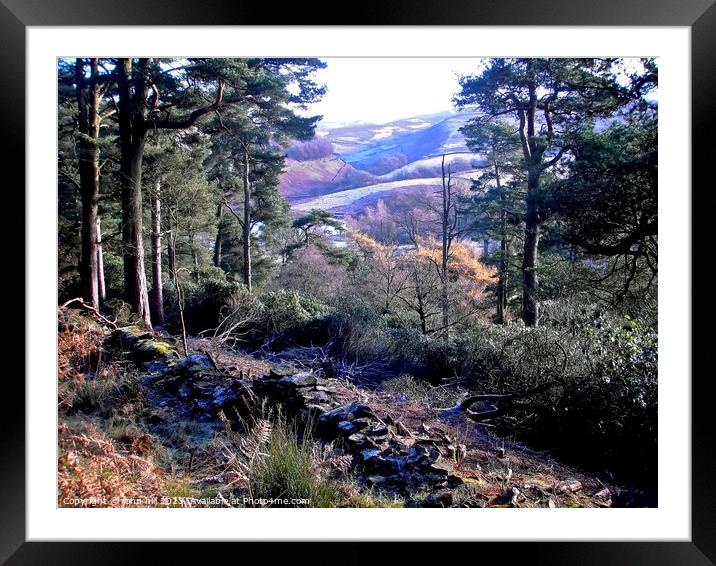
{"points": [[496, 206], [550, 100]]}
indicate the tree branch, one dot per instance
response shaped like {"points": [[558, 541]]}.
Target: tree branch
{"points": [[189, 121]]}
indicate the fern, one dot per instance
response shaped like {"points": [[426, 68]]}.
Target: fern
{"points": [[243, 452]]}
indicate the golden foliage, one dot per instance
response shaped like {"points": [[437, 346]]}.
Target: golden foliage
{"points": [[463, 263]]}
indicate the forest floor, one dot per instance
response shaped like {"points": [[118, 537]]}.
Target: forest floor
{"points": [[140, 425]]}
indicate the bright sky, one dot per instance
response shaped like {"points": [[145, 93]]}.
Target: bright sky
{"points": [[380, 90]]}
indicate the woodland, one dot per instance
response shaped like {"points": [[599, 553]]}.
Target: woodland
{"points": [[485, 339]]}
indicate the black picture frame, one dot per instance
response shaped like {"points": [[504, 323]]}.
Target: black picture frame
{"points": [[699, 15]]}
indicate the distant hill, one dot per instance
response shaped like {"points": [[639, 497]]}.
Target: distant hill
{"points": [[366, 155]]}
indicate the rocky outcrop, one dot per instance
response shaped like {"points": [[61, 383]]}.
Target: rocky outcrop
{"points": [[143, 345], [386, 454], [299, 393], [194, 387]]}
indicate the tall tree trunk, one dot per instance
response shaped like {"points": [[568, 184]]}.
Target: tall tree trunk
{"points": [[247, 222], [530, 285], [503, 273], [132, 135], [171, 255], [533, 159], [90, 279], [445, 299], [485, 248], [173, 275], [101, 288], [217, 242], [88, 99], [157, 292]]}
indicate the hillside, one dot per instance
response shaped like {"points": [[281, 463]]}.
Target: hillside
{"points": [[370, 159]]}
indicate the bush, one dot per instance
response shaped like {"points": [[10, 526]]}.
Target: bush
{"points": [[604, 412], [276, 316], [203, 303], [288, 310], [79, 346], [94, 471], [313, 272], [360, 332], [121, 312]]}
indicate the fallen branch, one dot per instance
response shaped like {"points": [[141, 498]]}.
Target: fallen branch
{"points": [[211, 359], [92, 310], [508, 398]]}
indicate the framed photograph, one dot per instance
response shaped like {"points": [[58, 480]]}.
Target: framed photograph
{"points": [[360, 283]]}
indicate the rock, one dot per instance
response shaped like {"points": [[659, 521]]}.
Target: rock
{"points": [[282, 371], [402, 429], [193, 362], [306, 379], [504, 499], [603, 494], [301, 379], [193, 387], [142, 344], [386, 457], [146, 350], [316, 397], [369, 453], [359, 424], [442, 498], [346, 426], [570, 486], [379, 430]]}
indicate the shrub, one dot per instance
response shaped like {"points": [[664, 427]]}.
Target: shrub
{"points": [[312, 272], [79, 346], [121, 312], [203, 303], [287, 310], [105, 395], [360, 332], [241, 318], [251, 319], [604, 412], [69, 286]]}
